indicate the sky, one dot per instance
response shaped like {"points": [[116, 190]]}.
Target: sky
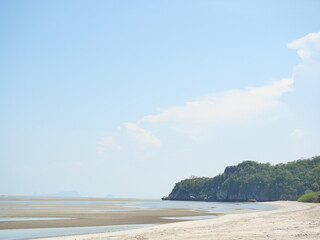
{"points": [[126, 98]]}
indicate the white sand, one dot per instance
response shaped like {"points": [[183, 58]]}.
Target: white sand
{"points": [[291, 221]]}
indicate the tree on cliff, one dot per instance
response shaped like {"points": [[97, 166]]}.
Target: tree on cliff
{"points": [[253, 180]]}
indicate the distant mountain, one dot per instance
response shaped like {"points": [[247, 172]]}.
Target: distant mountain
{"points": [[253, 181], [110, 196], [71, 193]]}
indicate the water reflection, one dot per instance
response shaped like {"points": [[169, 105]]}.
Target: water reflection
{"points": [[14, 234]]}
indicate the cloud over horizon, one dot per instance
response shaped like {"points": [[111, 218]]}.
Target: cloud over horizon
{"points": [[195, 117], [225, 107]]}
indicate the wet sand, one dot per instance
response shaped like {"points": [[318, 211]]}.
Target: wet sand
{"points": [[292, 220], [102, 212]]}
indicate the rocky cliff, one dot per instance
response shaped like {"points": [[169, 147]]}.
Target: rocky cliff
{"points": [[252, 181]]}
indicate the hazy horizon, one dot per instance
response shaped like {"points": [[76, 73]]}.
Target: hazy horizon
{"points": [[126, 98]]}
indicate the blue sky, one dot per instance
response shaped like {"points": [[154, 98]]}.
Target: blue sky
{"points": [[128, 97]]}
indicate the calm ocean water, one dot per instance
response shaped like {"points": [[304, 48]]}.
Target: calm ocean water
{"points": [[205, 207]]}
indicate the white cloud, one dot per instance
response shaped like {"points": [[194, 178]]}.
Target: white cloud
{"points": [[308, 71], [225, 107], [307, 81], [144, 137], [107, 143], [233, 106], [308, 47]]}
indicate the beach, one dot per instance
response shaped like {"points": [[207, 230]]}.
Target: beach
{"points": [[37, 213], [291, 220]]}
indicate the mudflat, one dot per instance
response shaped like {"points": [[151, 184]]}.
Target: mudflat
{"points": [[83, 212], [292, 220]]}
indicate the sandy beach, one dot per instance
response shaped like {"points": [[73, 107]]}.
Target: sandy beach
{"points": [[292, 220]]}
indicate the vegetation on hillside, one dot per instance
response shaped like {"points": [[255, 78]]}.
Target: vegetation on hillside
{"points": [[193, 185], [310, 197], [253, 180]]}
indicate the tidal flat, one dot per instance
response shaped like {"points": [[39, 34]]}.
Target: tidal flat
{"points": [[25, 213], [25, 217]]}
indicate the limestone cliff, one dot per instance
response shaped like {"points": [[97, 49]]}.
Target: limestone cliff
{"points": [[252, 181]]}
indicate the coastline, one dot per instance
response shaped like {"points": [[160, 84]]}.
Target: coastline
{"points": [[291, 220], [40, 213]]}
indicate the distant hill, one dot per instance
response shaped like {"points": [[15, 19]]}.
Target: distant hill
{"points": [[253, 181], [110, 196], [65, 194]]}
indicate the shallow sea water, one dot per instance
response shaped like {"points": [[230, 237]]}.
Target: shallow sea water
{"points": [[130, 205], [30, 219], [14, 234]]}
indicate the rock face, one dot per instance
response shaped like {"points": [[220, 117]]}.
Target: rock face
{"points": [[252, 181], [215, 192]]}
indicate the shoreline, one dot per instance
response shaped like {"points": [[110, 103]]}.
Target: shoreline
{"points": [[40, 213], [292, 220], [86, 213]]}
